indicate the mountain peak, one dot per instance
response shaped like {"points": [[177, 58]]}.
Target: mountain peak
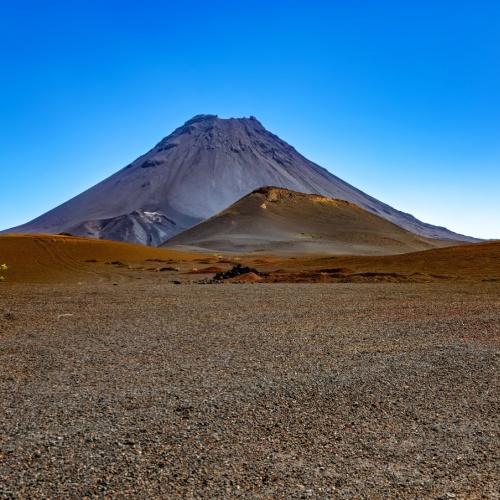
{"points": [[201, 118], [210, 119], [212, 132]]}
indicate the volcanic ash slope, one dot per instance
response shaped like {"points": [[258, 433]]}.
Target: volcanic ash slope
{"points": [[277, 220]]}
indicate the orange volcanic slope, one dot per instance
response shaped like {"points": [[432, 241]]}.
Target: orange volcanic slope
{"points": [[473, 261], [54, 258], [62, 259], [280, 221]]}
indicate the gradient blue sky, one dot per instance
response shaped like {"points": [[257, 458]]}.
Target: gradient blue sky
{"points": [[401, 99]]}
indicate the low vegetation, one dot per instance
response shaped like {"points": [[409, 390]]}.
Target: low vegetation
{"points": [[3, 267]]}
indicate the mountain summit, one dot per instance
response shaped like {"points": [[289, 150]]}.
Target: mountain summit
{"points": [[200, 169]]}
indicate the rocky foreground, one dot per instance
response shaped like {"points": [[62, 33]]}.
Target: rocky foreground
{"points": [[254, 390]]}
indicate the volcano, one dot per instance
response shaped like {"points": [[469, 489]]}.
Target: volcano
{"points": [[197, 171]]}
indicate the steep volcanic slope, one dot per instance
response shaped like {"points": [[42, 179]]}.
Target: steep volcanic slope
{"points": [[197, 171], [277, 220]]}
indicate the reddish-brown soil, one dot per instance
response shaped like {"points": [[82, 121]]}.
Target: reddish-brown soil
{"points": [[206, 270], [246, 278], [63, 259]]}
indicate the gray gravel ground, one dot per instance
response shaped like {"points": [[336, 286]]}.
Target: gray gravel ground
{"points": [[334, 390]]}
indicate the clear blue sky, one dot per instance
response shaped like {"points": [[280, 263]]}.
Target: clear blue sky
{"points": [[401, 99]]}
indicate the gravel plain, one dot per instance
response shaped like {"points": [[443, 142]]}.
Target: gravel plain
{"points": [[156, 390]]}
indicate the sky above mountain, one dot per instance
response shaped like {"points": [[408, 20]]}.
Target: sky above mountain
{"points": [[400, 100]]}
